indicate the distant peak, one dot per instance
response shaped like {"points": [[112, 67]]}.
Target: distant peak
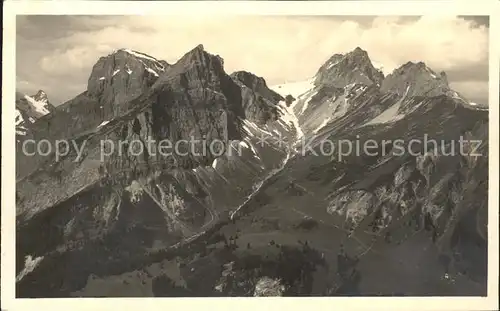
{"points": [[40, 93], [358, 55], [197, 49], [135, 53], [199, 54], [358, 51], [418, 78], [353, 67], [415, 69], [40, 96]]}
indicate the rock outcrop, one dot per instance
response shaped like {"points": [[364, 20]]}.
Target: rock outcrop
{"points": [[259, 102]]}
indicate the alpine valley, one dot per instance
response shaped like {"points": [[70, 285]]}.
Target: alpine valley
{"points": [[270, 219]]}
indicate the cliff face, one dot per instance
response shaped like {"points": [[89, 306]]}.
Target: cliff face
{"points": [[259, 102]]}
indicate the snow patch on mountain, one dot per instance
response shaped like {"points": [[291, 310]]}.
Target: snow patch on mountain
{"points": [[431, 73], [252, 128], [103, 124], [39, 106], [141, 55], [289, 117], [135, 189], [244, 144], [21, 131], [391, 113], [152, 71], [128, 70], [333, 63], [467, 103], [29, 265], [146, 60], [296, 89]]}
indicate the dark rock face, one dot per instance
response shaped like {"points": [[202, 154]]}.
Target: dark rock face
{"points": [[353, 67], [259, 102], [30, 113], [257, 84], [289, 99], [122, 76]]}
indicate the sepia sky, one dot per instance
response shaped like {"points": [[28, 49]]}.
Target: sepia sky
{"points": [[56, 53]]}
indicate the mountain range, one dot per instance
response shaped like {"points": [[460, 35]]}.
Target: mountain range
{"points": [[269, 219]]}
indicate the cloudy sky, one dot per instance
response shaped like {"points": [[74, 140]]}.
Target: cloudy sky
{"points": [[56, 53]]}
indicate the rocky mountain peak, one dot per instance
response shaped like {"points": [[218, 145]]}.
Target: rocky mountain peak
{"points": [[196, 68], [258, 100], [358, 52], [200, 57], [416, 79], [41, 96], [353, 67], [123, 75], [33, 107]]}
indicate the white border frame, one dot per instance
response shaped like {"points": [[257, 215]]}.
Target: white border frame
{"points": [[24, 7]]}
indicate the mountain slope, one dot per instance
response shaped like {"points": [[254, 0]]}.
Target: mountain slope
{"points": [[278, 212], [86, 202], [29, 109]]}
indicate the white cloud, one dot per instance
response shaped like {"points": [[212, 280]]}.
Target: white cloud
{"points": [[275, 47]]}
